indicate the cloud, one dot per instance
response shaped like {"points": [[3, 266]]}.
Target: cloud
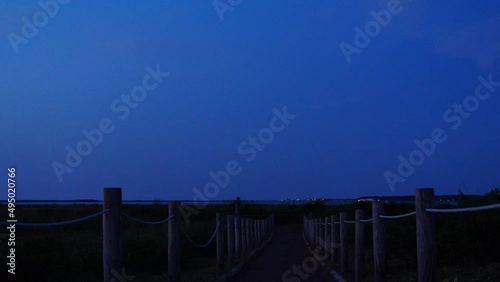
{"points": [[478, 41]]}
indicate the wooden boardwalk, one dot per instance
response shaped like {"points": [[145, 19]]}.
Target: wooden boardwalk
{"points": [[286, 249]]}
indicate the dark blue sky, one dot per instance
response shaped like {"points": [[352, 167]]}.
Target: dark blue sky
{"points": [[231, 72]]}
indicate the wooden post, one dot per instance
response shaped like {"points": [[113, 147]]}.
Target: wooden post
{"points": [[326, 226], [344, 251], [266, 230], [379, 254], [252, 234], [263, 226], [304, 225], [243, 236], [328, 235], [256, 234], [326, 231], [426, 235], [256, 225], [311, 231], [259, 232], [219, 223], [112, 252], [307, 225], [316, 232], [269, 225], [266, 227], [237, 227], [248, 248], [359, 257], [230, 240], [321, 231], [272, 223], [335, 239], [174, 242]]}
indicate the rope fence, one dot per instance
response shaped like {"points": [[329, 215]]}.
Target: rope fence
{"points": [[398, 216], [366, 220], [333, 231], [51, 224], [148, 222], [481, 208], [206, 244], [244, 234]]}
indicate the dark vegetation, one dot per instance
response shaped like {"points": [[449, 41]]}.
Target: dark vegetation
{"points": [[466, 241]]}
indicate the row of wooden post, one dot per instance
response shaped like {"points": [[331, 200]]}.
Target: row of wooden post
{"points": [[252, 234], [329, 234], [243, 235]]}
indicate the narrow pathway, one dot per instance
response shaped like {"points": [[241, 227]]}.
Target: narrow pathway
{"points": [[286, 249]]}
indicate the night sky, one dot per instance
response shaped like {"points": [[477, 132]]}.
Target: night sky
{"points": [[273, 99]]}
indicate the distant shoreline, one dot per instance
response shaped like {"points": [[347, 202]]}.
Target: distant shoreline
{"points": [[398, 199]]}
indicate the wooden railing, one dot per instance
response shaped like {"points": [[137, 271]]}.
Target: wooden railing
{"points": [[243, 234], [330, 235]]}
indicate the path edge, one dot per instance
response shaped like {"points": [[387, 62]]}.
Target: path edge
{"points": [[335, 275], [237, 268]]}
